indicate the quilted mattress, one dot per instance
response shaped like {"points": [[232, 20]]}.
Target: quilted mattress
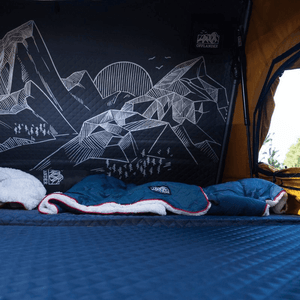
{"points": [[34, 218], [149, 262]]}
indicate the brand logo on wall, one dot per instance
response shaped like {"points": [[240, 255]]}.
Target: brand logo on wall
{"points": [[208, 40], [52, 177], [160, 189]]}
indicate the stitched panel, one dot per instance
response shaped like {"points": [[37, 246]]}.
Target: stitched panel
{"points": [[131, 89], [34, 218], [132, 262]]}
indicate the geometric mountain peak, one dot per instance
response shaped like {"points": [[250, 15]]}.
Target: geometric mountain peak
{"points": [[201, 71], [73, 79], [177, 72], [8, 47]]}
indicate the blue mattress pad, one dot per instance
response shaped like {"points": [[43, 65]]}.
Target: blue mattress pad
{"points": [[35, 218]]}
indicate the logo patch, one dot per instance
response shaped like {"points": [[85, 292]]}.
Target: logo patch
{"points": [[52, 177], [208, 40], [161, 189]]}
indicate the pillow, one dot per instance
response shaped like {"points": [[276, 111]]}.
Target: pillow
{"points": [[18, 187]]}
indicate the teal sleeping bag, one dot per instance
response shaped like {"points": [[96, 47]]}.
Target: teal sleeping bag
{"points": [[101, 194], [246, 197], [106, 195]]}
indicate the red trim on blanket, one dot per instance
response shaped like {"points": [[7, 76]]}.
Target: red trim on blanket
{"points": [[204, 194], [281, 192], [265, 209], [178, 209]]}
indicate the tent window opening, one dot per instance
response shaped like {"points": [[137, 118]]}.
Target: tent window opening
{"points": [[281, 148]]}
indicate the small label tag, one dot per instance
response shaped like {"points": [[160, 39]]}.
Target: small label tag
{"points": [[52, 177], [208, 40], [160, 189]]}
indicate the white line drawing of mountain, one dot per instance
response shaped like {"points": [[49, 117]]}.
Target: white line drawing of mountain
{"points": [[186, 93], [38, 131], [120, 115], [117, 136], [39, 110], [174, 108], [190, 80], [81, 86], [25, 57], [41, 114], [30, 81], [164, 114]]}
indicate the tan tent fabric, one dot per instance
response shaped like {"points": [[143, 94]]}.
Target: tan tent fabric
{"points": [[274, 28], [270, 105], [290, 184]]}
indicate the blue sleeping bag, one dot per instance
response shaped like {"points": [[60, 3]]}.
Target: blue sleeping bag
{"points": [[101, 194], [246, 197], [106, 195]]}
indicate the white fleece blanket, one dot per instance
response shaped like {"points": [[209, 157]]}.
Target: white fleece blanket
{"points": [[20, 187]]}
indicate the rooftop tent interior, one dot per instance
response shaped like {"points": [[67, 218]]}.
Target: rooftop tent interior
{"points": [[139, 90], [287, 177], [272, 46], [119, 87]]}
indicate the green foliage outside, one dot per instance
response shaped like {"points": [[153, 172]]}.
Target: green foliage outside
{"points": [[292, 158], [271, 153]]}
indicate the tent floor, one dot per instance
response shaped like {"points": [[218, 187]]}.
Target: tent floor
{"points": [[155, 260], [146, 262]]}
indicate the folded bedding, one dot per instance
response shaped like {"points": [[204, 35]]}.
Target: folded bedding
{"points": [[107, 195], [101, 194], [248, 196], [18, 188]]}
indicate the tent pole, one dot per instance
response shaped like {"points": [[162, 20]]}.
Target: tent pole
{"points": [[242, 59]]}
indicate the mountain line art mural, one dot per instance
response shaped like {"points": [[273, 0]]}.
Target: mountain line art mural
{"points": [[119, 122]]}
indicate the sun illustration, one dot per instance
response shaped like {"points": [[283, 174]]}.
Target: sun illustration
{"points": [[123, 76]]}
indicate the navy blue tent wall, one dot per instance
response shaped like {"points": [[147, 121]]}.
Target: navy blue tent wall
{"points": [[139, 90]]}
